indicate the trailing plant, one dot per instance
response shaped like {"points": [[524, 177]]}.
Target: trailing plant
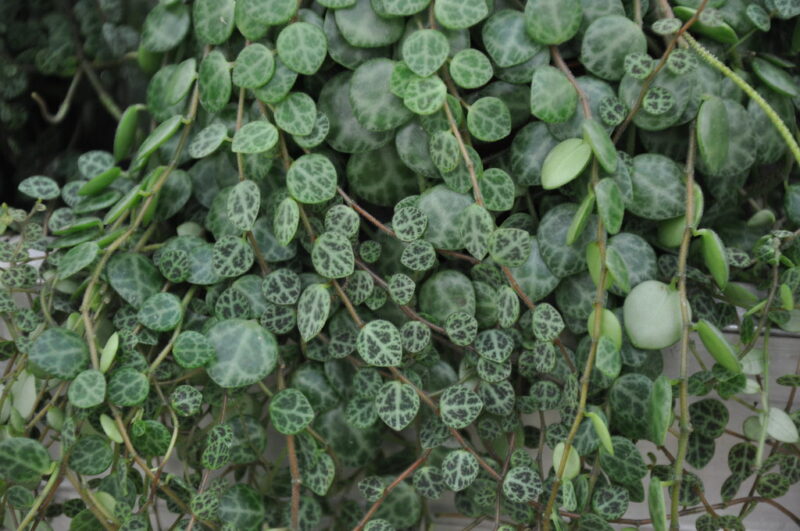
{"points": [[313, 265]]}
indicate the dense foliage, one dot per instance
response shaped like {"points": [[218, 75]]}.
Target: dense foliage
{"points": [[316, 264]]}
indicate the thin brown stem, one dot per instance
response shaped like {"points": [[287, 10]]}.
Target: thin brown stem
{"points": [[294, 468], [683, 256], [661, 63], [506, 464], [366, 215], [582, 97], [481, 461], [348, 304], [476, 189], [262, 263], [399, 479], [600, 297]]}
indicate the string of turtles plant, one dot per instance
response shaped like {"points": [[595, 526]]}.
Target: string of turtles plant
{"points": [[338, 258]]}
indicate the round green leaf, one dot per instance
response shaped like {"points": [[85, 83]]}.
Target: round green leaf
{"points": [[39, 187], [547, 322], [165, 27], [565, 162], [242, 205], [311, 179], [658, 188], [374, 105], [332, 255], [497, 189], [397, 404], [128, 387], [428, 482], [553, 98], [217, 451], [245, 353], [59, 353], [489, 119], [213, 20], [425, 95], [419, 255], [302, 47], [606, 43], [362, 27], [415, 336], [470, 68], [459, 406], [192, 349], [522, 484], [379, 344], [88, 389], [214, 81], [401, 288], [208, 140], [424, 51], [612, 111], [254, 66], [552, 21], [91, 455], [23, 460], [409, 223], [186, 400], [658, 101], [510, 247], [290, 411], [231, 256], [255, 137], [477, 226], [161, 312], [312, 310], [282, 286], [652, 315], [461, 328], [444, 151], [296, 114], [506, 40], [573, 462], [254, 17], [460, 14], [77, 258], [459, 470], [287, 219]]}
